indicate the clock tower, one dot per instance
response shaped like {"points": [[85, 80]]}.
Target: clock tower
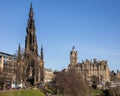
{"points": [[73, 57]]}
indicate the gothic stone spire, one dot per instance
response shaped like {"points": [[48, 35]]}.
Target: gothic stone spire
{"points": [[41, 54], [19, 53], [31, 14], [31, 42]]}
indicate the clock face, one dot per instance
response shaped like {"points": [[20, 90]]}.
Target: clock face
{"points": [[73, 54]]}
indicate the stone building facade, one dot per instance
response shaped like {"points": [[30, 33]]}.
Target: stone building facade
{"points": [[89, 69], [7, 67], [118, 74], [49, 75]]}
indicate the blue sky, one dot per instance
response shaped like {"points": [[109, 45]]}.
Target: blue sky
{"points": [[92, 26]]}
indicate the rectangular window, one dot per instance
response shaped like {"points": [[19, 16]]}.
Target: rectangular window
{"points": [[5, 61]]}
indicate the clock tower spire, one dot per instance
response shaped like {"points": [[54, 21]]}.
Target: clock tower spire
{"points": [[73, 56]]}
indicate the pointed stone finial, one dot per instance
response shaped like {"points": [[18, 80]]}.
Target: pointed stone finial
{"points": [[42, 53], [41, 48], [31, 5], [19, 53], [31, 14], [73, 49], [19, 47]]}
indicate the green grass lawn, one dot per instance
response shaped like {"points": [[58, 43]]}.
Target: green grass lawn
{"points": [[22, 93], [100, 92]]}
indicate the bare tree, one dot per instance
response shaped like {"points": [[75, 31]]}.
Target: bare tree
{"points": [[114, 91], [95, 81], [71, 84]]}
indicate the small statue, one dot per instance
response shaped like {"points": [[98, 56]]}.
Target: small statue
{"points": [[31, 71]]}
